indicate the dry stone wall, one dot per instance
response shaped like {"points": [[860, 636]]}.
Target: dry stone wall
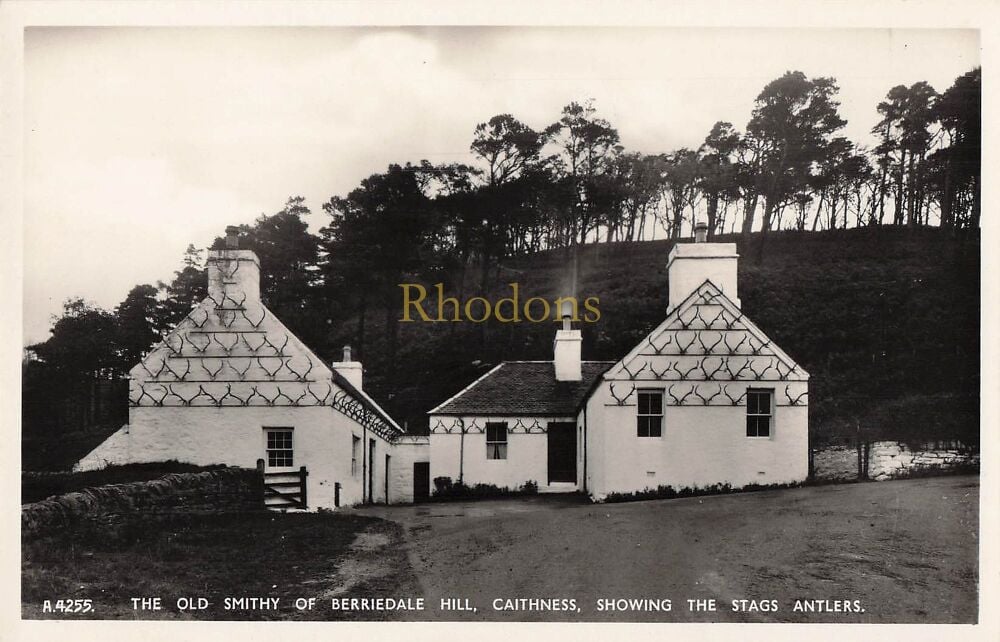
{"points": [[891, 459], [217, 491], [888, 459]]}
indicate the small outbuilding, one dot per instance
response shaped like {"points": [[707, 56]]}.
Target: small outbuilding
{"points": [[706, 398]]}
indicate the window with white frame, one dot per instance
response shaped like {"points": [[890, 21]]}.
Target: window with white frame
{"points": [[760, 412], [355, 450], [279, 447], [649, 419], [496, 440]]}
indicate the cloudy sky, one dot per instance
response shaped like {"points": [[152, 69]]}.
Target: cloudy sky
{"points": [[141, 140]]}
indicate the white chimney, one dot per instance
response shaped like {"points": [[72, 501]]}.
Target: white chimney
{"points": [[233, 272], [350, 370], [691, 264], [566, 348]]}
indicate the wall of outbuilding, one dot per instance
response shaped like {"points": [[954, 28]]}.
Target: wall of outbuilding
{"points": [[456, 454], [406, 451]]}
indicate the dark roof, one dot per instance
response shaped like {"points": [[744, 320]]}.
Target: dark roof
{"points": [[524, 388]]}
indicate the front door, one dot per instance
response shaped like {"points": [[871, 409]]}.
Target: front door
{"points": [[562, 451]]}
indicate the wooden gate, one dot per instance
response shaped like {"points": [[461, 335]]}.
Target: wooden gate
{"points": [[284, 490]]}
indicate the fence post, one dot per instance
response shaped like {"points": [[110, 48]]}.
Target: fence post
{"points": [[302, 484], [336, 494]]}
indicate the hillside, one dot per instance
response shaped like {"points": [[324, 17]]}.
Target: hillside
{"points": [[885, 320]]}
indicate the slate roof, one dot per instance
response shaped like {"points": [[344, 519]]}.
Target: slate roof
{"points": [[519, 388]]}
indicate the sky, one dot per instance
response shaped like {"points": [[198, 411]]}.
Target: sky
{"points": [[139, 141]]}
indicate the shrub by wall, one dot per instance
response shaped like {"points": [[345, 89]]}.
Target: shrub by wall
{"points": [[217, 491]]}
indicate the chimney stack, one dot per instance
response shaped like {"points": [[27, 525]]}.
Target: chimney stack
{"points": [[691, 264], [232, 237], [233, 272], [566, 348], [700, 232], [349, 369]]}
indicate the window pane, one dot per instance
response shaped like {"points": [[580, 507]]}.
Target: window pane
{"points": [[751, 426], [496, 431], [648, 426], [765, 403], [655, 403], [752, 403], [643, 401], [763, 426]]}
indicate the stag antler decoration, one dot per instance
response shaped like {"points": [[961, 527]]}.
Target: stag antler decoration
{"points": [[797, 400], [212, 374], [658, 350], [735, 401], [180, 377], [228, 349], [621, 400], [732, 350], [706, 400], [634, 375], [679, 401], [760, 375], [705, 349], [683, 375], [682, 348], [705, 373], [270, 374], [263, 313], [300, 376]]}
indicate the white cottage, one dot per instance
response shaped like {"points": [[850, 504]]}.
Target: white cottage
{"points": [[231, 385], [706, 398]]}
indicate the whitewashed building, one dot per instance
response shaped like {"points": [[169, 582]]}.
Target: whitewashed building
{"points": [[705, 398], [231, 385]]}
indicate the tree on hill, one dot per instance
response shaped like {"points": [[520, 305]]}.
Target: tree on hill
{"points": [[717, 177], [588, 145], [792, 123], [139, 320], [187, 289], [958, 166], [378, 233]]}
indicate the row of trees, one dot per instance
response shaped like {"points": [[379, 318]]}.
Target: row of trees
{"points": [[565, 184]]}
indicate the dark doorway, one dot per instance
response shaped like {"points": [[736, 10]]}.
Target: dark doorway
{"points": [[387, 458], [371, 471], [421, 481], [562, 451]]}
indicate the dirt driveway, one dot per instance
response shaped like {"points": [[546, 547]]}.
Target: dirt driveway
{"points": [[906, 551]]}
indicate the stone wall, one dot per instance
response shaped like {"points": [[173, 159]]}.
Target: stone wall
{"points": [[835, 463], [888, 459], [891, 459], [217, 491]]}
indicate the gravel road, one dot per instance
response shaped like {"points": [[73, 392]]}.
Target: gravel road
{"points": [[899, 551]]}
